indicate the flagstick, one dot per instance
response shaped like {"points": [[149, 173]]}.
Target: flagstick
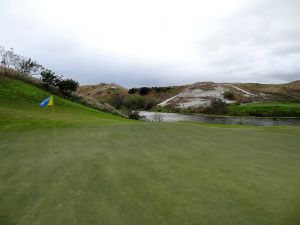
{"points": [[54, 138]]}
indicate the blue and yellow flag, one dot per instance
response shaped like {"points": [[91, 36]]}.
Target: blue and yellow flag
{"points": [[47, 102]]}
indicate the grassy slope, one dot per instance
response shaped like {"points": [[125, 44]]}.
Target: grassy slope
{"points": [[19, 106], [123, 172], [266, 109]]}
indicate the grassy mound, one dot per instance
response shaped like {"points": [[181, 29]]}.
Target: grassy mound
{"points": [[103, 169]]}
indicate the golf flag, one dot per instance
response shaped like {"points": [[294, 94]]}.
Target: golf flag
{"points": [[47, 102]]}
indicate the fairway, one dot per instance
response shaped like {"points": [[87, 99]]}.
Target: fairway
{"points": [[103, 169]]}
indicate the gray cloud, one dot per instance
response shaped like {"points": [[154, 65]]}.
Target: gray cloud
{"points": [[258, 42]]}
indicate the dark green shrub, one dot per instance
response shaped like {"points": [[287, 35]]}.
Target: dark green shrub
{"points": [[228, 95], [132, 90], [134, 115], [150, 103], [49, 78], [117, 101], [161, 89], [67, 86], [144, 91], [134, 102], [217, 106]]}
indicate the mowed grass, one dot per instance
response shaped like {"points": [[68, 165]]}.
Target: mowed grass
{"points": [[283, 109], [103, 169]]}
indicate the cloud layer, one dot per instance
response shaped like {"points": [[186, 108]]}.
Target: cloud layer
{"points": [[156, 42]]}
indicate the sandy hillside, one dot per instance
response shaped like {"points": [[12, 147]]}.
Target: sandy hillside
{"points": [[201, 94], [101, 91]]}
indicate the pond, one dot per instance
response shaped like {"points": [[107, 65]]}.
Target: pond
{"points": [[257, 121]]}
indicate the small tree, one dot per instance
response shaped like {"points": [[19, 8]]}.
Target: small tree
{"points": [[8, 58], [2, 50], [144, 91], [68, 85], [132, 91], [22, 64], [49, 78], [27, 66]]}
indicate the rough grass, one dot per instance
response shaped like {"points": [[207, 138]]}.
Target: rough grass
{"points": [[282, 92], [271, 109], [103, 169]]}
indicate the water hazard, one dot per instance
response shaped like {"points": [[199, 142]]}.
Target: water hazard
{"points": [[173, 117]]}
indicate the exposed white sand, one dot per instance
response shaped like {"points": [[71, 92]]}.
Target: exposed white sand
{"points": [[247, 93], [195, 98]]}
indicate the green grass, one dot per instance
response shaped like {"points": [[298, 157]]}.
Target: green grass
{"points": [[103, 169], [271, 109], [19, 107]]}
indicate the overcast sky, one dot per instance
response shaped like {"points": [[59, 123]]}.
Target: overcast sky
{"points": [[157, 42]]}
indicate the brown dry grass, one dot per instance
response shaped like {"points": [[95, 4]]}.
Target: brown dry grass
{"points": [[274, 91]]}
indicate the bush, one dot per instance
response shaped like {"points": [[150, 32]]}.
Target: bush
{"points": [[161, 89], [132, 90], [134, 102], [150, 103], [117, 101], [144, 91], [217, 106], [134, 115], [228, 95]]}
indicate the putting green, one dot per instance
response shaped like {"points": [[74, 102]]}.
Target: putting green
{"points": [[107, 170]]}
